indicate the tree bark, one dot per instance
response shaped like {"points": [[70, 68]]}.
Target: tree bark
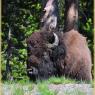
{"points": [[9, 55], [71, 15], [51, 15]]}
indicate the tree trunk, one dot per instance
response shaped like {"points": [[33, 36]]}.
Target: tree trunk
{"points": [[50, 17], [71, 15], [9, 55]]}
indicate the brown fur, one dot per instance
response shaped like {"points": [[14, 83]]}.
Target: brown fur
{"points": [[70, 58], [77, 62], [38, 56]]}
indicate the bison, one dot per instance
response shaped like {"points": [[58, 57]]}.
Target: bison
{"points": [[58, 54], [40, 61]]}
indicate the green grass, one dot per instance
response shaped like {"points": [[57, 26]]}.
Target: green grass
{"points": [[23, 86], [19, 87], [44, 90], [61, 80], [74, 92], [18, 91], [54, 80]]}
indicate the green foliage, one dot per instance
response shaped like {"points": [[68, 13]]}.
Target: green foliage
{"points": [[86, 20], [23, 18]]}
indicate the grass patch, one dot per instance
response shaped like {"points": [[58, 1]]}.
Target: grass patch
{"points": [[58, 80], [25, 86], [18, 91], [74, 92], [61, 80], [19, 87], [44, 90], [54, 80]]}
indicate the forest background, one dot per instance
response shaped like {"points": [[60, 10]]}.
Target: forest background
{"points": [[20, 18]]}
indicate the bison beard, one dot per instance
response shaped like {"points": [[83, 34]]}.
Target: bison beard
{"points": [[42, 70], [70, 58]]}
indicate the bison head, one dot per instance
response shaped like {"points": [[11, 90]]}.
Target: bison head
{"points": [[40, 65]]}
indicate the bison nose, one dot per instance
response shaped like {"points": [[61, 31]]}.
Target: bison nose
{"points": [[33, 71]]}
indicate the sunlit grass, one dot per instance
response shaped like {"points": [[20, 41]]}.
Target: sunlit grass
{"points": [[61, 80], [25, 86], [44, 90], [18, 91]]}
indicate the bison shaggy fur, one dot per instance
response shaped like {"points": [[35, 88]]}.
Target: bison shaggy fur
{"points": [[70, 58], [39, 64]]}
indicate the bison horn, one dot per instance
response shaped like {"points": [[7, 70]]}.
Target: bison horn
{"points": [[56, 42]]}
